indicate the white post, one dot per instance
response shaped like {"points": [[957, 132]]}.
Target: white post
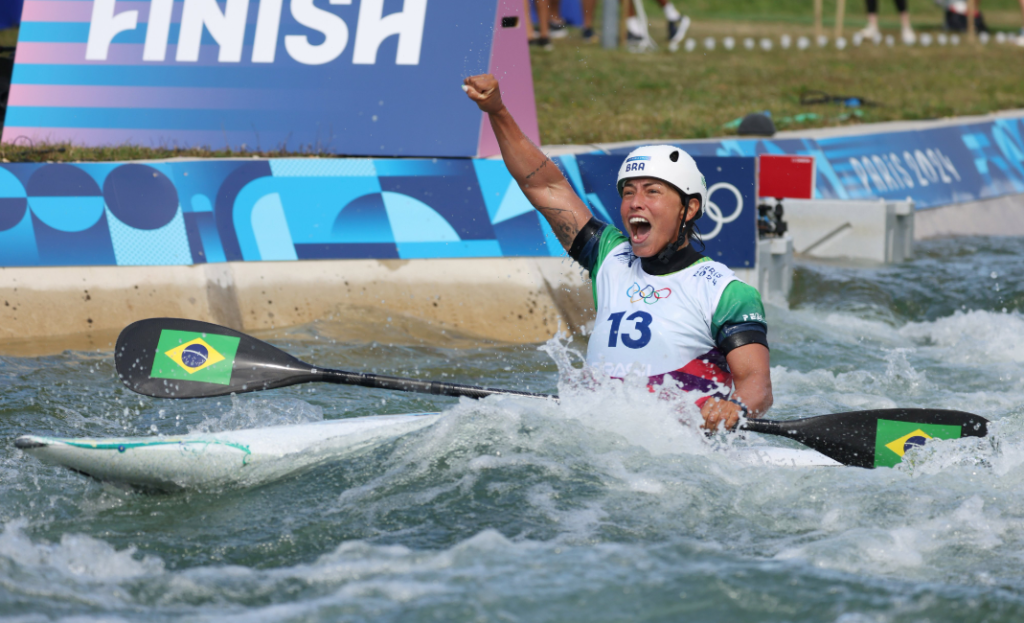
{"points": [[610, 25], [818, 31], [972, 32], [840, 17]]}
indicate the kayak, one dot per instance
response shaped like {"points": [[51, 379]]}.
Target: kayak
{"points": [[259, 455], [231, 458]]}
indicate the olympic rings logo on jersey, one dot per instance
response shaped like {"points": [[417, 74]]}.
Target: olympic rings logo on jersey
{"points": [[713, 212], [647, 294]]}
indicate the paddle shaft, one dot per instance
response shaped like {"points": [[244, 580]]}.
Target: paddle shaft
{"points": [[437, 388], [767, 427]]}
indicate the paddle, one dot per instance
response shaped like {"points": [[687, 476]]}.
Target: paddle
{"points": [[876, 438], [175, 358]]}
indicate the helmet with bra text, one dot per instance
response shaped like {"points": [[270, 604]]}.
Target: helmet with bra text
{"points": [[669, 164]]}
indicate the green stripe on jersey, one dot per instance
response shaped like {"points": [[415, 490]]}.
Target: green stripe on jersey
{"points": [[611, 237], [739, 303]]}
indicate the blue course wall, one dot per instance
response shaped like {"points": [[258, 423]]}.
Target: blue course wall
{"points": [[181, 213], [935, 166]]}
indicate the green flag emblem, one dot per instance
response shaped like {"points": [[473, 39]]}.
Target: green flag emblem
{"points": [[893, 439], [190, 356]]}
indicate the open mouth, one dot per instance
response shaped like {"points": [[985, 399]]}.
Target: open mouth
{"points": [[639, 228]]}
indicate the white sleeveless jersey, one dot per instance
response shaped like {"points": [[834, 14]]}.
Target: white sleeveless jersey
{"points": [[658, 324]]}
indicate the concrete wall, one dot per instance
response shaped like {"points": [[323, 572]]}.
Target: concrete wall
{"points": [[504, 299], [1002, 216], [516, 300], [879, 231]]}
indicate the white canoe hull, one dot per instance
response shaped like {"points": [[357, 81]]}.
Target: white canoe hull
{"points": [[239, 457], [259, 455]]}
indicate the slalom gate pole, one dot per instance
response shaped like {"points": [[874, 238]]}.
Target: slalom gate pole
{"points": [[840, 17]]}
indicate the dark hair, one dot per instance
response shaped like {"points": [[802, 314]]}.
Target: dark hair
{"points": [[689, 230]]}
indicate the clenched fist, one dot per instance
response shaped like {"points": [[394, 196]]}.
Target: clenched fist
{"points": [[483, 90]]}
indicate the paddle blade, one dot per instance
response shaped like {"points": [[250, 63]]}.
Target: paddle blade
{"points": [[877, 438], [176, 358]]}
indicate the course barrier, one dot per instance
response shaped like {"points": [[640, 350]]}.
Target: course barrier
{"points": [[452, 243], [940, 164], [211, 211]]}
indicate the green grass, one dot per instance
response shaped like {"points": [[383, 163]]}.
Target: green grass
{"points": [[8, 37], [586, 94]]}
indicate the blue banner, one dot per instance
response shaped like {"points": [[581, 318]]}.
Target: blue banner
{"points": [[181, 213], [934, 167], [354, 77]]}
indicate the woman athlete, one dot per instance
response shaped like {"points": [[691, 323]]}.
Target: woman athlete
{"points": [[661, 305]]}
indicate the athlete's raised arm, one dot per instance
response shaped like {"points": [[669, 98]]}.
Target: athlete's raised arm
{"points": [[541, 181]]}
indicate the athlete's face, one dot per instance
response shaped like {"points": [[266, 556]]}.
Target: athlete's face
{"points": [[652, 212]]}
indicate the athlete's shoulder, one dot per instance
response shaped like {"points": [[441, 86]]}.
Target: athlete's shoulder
{"points": [[739, 318], [614, 244], [594, 243], [612, 237], [740, 303]]}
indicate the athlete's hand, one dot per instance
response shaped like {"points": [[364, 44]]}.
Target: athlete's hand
{"points": [[720, 412], [483, 90]]}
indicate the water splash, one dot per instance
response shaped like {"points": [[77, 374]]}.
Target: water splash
{"points": [[259, 412]]}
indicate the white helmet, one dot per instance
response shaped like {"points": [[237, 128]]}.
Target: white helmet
{"points": [[669, 164]]}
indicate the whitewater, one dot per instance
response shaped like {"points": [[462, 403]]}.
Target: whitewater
{"points": [[602, 508]]}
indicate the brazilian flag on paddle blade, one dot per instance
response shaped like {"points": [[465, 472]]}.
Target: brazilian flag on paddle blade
{"points": [[894, 439], [188, 356]]}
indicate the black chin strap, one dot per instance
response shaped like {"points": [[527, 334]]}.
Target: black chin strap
{"points": [[670, 260]]}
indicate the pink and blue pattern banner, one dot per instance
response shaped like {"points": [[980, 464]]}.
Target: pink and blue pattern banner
{"points": [[354, 77], [208, 211]]}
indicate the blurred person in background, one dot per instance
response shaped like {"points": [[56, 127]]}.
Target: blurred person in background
{"points": [[559, 26], [956, 15], [541, 36], [588, 20], [552, 25], [871, 30], [677, 24]]}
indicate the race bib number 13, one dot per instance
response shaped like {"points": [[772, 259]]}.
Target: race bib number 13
{"points": [[642, 325]]}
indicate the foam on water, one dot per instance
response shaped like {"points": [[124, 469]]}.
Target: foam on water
{"points": [[605, 507], [975, 337], [77, 555]]}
